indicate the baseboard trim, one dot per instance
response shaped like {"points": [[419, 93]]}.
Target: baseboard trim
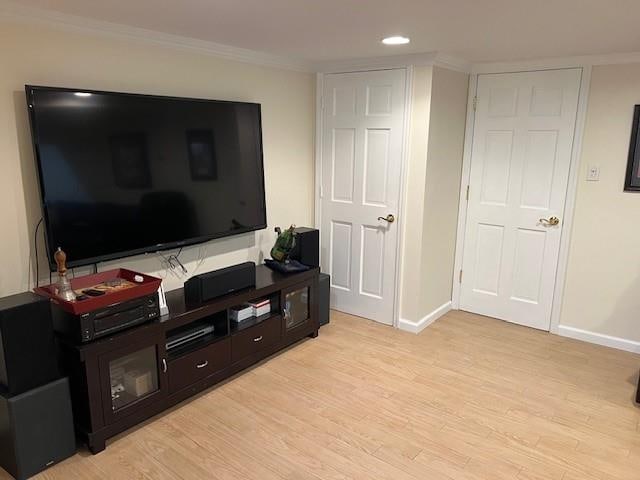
{"points": [[599, 339], [417, 327]]}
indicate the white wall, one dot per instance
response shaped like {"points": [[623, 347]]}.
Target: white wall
{"points": [[602, 289], [442, 187], [42, 55], [438, 117], [410, 287]]}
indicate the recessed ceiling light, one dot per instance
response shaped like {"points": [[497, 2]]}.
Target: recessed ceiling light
{"points": [[396, 40], [82, 94]]}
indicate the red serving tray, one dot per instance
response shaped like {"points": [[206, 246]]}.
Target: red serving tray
{"points": [[148, 286]]}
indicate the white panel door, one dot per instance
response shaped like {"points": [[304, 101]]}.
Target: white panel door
{"points": [[522, 144], [363, 121]]}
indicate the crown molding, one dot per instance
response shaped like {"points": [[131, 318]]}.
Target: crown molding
{"points": [[12, 11], [372, 63], [19, 13], [395, 61], [560, 62], [451, 62]]}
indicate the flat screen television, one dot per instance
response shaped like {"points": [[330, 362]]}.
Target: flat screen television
{"points": [[123, 174]]}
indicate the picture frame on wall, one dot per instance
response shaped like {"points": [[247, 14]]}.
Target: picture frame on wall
{"points": [[632, 179]]}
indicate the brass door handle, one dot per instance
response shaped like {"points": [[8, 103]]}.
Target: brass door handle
{"points": [[389, 218], [550, 222]]}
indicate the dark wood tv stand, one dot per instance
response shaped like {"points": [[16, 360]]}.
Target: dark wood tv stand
{"points": [[138, 358]]}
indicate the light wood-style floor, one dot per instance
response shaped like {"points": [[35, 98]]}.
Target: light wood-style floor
{"points": [[469, 398]]}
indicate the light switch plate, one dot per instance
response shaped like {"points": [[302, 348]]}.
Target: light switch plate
{"points": [[593, 174]]}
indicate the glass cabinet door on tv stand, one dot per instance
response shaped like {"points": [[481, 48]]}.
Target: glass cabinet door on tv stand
{"points": [[296, 306], [132, 378]]}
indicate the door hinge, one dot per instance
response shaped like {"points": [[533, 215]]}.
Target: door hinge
{"points": [[475, 103], [468, 188], [460, 277]]}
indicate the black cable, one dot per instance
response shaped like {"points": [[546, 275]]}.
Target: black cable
{"points": [[35, 244], [167, 261], [174, 258], [184, 270]]}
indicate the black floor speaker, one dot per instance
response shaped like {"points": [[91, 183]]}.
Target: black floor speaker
{"points": [[324, 289], [307, 247], [27, 348], [36, 429]]}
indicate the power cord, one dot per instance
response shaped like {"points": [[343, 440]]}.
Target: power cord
{"points": [[202, 256], [173, 261]]}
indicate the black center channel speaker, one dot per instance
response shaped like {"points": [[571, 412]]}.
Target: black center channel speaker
{"points": [[27, 347], [207, 286]]}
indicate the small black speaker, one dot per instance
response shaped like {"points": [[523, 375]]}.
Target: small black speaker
{"points": [[207, 286], [27, 348], [307, 247], [36, 429], [324, 288]]}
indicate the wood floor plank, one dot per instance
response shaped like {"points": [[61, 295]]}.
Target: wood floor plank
{"points": [[469, 398]]}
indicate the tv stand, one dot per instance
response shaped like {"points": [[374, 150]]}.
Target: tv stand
{"points": [[124, 379]]}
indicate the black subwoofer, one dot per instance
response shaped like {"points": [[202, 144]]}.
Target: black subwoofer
{"points": [[36, 429], [324, 291], [27, 349]]}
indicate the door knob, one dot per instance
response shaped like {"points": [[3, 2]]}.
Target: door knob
{"points": [[389, 218], [550, 222]]}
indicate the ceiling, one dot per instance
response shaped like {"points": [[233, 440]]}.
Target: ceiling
{"points": [[330, 30]]}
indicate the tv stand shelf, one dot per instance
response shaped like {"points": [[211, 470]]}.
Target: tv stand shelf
{"points": [[121, 380]]}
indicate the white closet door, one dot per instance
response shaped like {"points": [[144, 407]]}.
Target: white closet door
{"points": [[522, 145], [362, 140]]}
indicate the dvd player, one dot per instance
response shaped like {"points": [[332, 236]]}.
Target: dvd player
{"points": [[188, 335]]}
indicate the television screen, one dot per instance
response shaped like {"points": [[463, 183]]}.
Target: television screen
{"points": [[123, 174]]}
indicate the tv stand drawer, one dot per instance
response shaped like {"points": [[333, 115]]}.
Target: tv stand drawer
{"points": [[194, 366], [256, 338]]}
